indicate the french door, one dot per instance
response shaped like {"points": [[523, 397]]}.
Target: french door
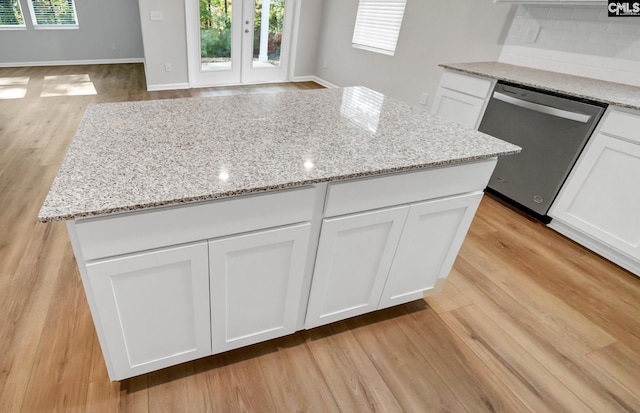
{"points": [[238, 41]]}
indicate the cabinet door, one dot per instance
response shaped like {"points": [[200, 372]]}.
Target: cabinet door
{"points": [[601, 197], [256, 285], [432, 237], [353, 260], [457, 107], [153, 308]]}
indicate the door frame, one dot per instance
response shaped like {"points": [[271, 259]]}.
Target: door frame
{"points": [[287, 55]]}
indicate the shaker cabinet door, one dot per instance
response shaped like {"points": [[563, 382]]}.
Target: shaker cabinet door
{"points": [[153, 308], [256, 285], [432, 237], [601, 197], [353, 260], [461, 98], [458, 107]]}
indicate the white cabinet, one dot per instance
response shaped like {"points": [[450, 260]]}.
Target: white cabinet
{"points": [[256, 285], [174, 284], [153, 308], [386, 257], [599, 205], [165, 284], [403, 246], [462, 98], [432, 236], [353, 260]]}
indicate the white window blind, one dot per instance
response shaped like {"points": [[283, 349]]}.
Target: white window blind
{"points": [[53, 13], [378, 25], [11, 14]]}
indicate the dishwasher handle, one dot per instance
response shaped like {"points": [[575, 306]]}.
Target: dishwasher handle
{"points": [[548, 110]]}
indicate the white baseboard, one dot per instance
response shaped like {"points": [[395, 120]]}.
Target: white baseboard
{"points": [[173, 86], [74, 62], [314, 79], [596, 246], [167, 86]]}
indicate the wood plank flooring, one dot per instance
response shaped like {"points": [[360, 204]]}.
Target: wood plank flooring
{"points": [[527, 322]]}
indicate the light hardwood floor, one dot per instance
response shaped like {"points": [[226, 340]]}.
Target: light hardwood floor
{"points": [[528, 321]]}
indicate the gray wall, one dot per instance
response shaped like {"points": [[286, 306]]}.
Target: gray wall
{"points": [[104, 25], [433, 32], [309, 27], [165, 42]]}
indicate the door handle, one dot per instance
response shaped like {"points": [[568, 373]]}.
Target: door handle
{"points": [[246, 30], [547, 110]]}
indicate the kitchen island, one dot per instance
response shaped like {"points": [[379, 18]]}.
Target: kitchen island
{"points": [[207, 224]]}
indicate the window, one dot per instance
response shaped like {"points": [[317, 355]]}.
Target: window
{"points": [[58, 14], [378, 25], [11, 15]]}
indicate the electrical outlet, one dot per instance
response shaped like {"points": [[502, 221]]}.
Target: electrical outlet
{"points": [[113, 46], [156, 15], [424, 98], [167, 67], [532, 34]]}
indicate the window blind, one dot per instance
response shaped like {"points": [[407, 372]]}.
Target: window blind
{"points": [[53, 12], [11, 14], [378, 25]]}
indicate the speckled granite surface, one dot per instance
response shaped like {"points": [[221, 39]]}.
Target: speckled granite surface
{"points": [[134, 155], [582, 87]]}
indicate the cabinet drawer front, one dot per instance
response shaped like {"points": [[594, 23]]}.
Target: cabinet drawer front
{"points": [[468, 84], [622, 124], [403, 188], [138, 231]]}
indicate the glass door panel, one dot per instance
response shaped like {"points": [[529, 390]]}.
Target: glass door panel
{"points": [[265, 48], [267, 34], [214, 42], [215, 34]]}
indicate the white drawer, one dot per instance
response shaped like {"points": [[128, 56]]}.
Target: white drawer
{"points": [[622, 124], [402, 188], [137, 231], [468, 84]]}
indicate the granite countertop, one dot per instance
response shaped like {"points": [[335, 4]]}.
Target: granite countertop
{"points": [[135, 155], [582, 87]]}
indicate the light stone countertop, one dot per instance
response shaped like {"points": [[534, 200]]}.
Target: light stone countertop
{"points": [[582, 87], [135, 155]]}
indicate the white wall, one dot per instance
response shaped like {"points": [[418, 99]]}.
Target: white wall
{"points": [[433, 32], [108, 30], [577, 40]]}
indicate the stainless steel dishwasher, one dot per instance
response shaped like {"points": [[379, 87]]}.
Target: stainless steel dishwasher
{"points": [[552, 130]]}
